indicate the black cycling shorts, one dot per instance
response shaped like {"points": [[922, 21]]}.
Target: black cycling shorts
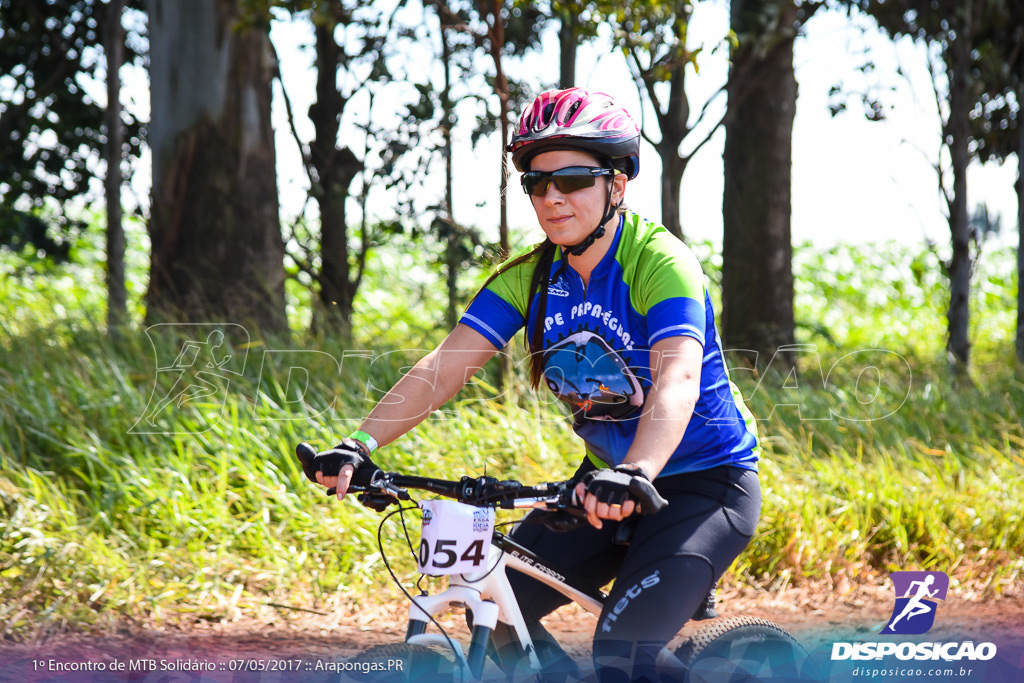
{"points": [[662, 576]]}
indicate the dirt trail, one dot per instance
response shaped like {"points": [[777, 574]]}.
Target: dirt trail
{"points": [[276, 638]]}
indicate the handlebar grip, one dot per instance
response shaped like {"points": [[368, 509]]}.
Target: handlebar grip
{"points": [[306, 453], [650, 500]]}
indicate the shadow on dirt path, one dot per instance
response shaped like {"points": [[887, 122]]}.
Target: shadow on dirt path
{"points": [[303, 647]]}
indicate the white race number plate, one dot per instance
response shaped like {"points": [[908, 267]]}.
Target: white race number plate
{"points": [[455, 537]]}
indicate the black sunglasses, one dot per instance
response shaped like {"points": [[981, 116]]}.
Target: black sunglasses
{"points": [[569, 179]]}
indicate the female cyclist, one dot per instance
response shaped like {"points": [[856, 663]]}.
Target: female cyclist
{"points": [[620, 327]]}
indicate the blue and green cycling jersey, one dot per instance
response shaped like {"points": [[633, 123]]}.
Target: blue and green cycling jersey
{"points": [[597, 341]]}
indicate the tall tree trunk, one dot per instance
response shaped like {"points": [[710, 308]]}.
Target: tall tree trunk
{"points": [[453, 239], [958, 132], [218, 255], [757, 275], [335, 170], [117, 296], [674, 122], [1020, 230], [672, 169], [496, 39], [568, 44]]}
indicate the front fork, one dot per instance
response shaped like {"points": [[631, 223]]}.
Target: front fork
{"points": [[468, 591], [485, 618]]}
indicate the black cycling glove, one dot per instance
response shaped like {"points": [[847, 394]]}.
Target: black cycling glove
{"points": [[348, 452], [624, 482]]}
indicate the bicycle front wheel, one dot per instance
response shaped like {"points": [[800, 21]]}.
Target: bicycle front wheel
{"points": [[744, 649], [400, 663]]}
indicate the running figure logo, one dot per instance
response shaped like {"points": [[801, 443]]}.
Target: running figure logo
{"points": [[199, 374], [916, 593]]}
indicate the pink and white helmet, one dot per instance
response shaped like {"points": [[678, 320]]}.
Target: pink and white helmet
{"points": [[577, 119]]}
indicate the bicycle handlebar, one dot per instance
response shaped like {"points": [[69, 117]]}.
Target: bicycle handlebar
{"points": [[481, 491], [389, 487], [484, 491]]}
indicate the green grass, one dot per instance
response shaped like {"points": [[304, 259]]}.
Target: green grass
{"points": [[103, 523]]}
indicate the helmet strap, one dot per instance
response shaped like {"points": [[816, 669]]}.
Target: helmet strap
{"points": [[598, 232]]}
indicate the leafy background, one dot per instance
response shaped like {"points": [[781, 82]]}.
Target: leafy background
{"points": [[102, 525]]}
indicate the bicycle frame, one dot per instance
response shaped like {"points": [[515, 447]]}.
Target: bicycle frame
{"points": [[488, 596]]}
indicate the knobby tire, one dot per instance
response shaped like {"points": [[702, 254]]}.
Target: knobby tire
{"points": [[744, 649]]}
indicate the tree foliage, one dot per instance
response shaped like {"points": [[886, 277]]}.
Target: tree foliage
{"points": [[51, 113], [432, 120], [652, 36], [578, 22], [51, 124], [996, 118], [969, 38], [998, 127], [499, 29], [355, 148]]}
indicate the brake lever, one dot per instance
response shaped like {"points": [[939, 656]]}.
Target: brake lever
{"points": [[396, 491], [376, 501], [380, 486], [566, 501]]}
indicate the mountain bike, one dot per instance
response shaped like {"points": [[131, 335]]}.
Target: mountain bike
{"points": [[459, 540]]}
